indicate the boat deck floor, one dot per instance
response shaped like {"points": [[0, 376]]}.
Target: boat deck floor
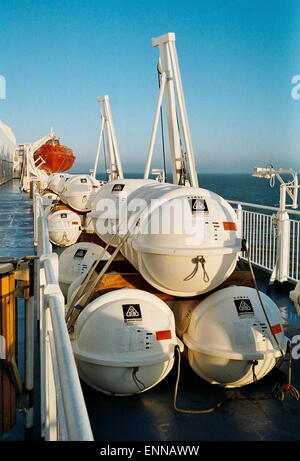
{"points": [[16, 241], [16, 223], [150, 416]]}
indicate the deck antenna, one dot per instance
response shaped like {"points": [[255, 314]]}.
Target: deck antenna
{"points": [[290, 187], [282, 221], [171, 88], [107, 129]]}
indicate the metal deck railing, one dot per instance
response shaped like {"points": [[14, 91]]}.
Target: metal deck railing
{"points": [[64, 415], [273, 238]]}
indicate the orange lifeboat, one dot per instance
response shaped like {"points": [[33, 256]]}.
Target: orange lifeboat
{"points": [[54, 157]]}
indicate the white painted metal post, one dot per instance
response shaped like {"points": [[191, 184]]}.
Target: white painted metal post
{"points": [[116, 170], [42, 322], [174, 139], [29, 344], [184, 118], [155, 124], [239, 213], [283, 238], [29, 358], [98, 149], [169, 66], [51, 433]]}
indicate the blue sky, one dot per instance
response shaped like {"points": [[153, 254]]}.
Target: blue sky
{"points": [[237, 59]]}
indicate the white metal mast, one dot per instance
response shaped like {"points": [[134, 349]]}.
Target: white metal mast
{"points": [[107, 128], [171, 88]]}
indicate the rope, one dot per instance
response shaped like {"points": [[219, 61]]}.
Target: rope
{"points": [[202, 261], [272, 179], [205, 274], [141, 386], [254, 364], [194, 412], [280, 390], [245, 248]]}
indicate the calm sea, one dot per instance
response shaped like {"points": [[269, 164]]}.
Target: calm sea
{"points": [[241, 187]]}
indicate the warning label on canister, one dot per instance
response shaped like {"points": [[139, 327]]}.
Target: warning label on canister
{"points": [[132, 313], [244, 307], [118, 188], [198, 205], [80, 253]]}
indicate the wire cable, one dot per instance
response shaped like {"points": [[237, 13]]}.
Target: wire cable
{"points": [[141, 386], [245, 248], [105, 159], [162, 129]]}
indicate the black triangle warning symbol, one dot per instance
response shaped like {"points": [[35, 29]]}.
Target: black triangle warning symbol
{"points": [[198, 205], [244, 307], [132, 312]]}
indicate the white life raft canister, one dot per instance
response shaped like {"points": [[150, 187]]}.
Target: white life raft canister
{"points": [[184, 241], [48, 197], [110, 208], [64, 226], [229, 340], [124, 342], [79, 191], [77, 260], [55, 179]]}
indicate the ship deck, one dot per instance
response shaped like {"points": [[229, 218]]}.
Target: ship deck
{"points": [[247, 415], [16, 241]]}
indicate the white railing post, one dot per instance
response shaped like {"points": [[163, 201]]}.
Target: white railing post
{"points": [[29, 358], [42, 325], [283, 239], [239, 214]]}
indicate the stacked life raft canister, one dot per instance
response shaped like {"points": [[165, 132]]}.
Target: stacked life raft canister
{"points": [[75, 192], [190, 261], [183, 240], [183, 262]]}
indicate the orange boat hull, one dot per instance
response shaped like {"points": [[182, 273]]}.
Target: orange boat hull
{"points": [[55, 158]]}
